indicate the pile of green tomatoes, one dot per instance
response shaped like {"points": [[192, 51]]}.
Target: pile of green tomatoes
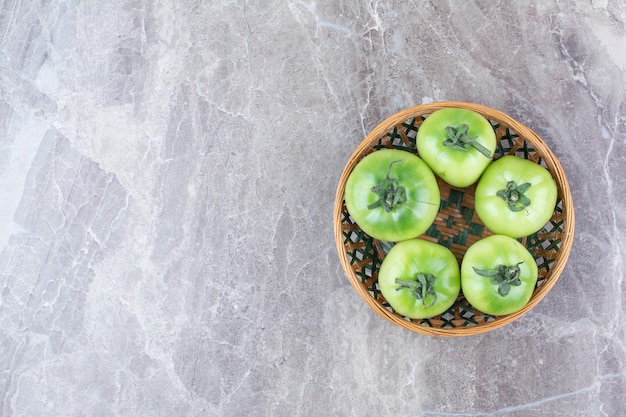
{"points": [[393, 196]]}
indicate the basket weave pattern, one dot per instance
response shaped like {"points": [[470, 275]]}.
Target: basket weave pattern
{"points": [[457, 225]]}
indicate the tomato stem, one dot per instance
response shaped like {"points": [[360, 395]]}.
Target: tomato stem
{"points": [[514, 196], [422, 287], [504, 276], [460, 139], [390, 192]]}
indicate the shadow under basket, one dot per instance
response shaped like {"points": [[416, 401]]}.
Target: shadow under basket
{"points": [[457, 225]]}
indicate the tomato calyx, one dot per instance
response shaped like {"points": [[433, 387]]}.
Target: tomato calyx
{"points": [[460, 139], [390, 192], [422, 287], [514, 196], [503, 275]]}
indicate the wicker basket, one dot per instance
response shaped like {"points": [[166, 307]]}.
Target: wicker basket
{"points": [[457, 226]]}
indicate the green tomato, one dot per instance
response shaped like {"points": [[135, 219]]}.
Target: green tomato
{"points": [[457, 144], [515, 197], [419, 279], [498, 275], [392, 195]]}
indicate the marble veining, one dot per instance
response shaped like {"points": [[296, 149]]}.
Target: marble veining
{"points": [[167, 177]]}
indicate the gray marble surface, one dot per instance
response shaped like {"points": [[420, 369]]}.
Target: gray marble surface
{"points": [[167, 177]]}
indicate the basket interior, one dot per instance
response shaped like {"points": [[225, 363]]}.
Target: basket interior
{"points": [[456, 226]]}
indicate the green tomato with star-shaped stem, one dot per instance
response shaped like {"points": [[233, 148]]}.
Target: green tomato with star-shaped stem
{"points": [[392, 195], [457, 144], [498, 275], [515, 197], [419, 278]]}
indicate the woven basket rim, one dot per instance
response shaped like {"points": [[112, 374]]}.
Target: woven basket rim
{"points": [[493, 115]]}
